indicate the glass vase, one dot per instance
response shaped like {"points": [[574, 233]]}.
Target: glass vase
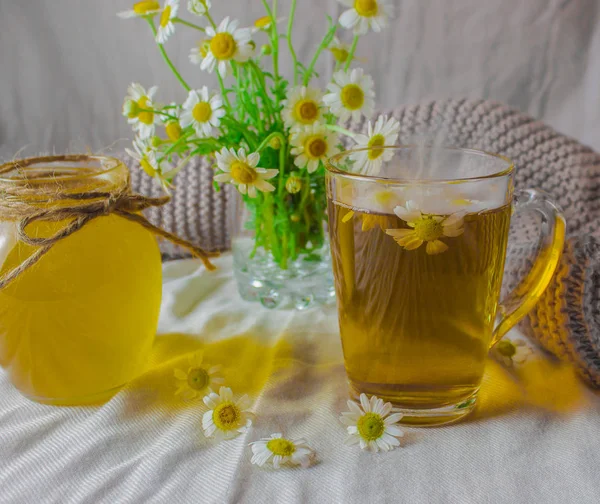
{"points": [[281, 255]]}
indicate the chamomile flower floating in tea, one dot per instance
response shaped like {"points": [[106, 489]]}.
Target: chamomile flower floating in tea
{"points": [[365, 15], [226, 418], [242, 171], [166, 27], [141, 9], [371, 425], [227, 44], [350, 95], [197, 379], [202, 111], [426, 228], [511, 352], [385, 132], [312, 145], [139, 109], [303, 107], [279, 451], [199, 7]]}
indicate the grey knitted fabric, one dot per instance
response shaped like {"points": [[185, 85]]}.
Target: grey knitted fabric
{"points": [[545, 159]]}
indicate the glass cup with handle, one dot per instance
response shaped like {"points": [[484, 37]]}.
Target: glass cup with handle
{"points": [[418, 253]]}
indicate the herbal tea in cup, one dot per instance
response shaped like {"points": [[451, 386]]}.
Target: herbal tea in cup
{"points": [[418, 258]]}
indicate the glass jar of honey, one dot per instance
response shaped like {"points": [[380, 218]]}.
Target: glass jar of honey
{"points": [[79, 323]]}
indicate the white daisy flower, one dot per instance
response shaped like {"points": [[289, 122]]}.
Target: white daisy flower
{"points": [[199, 7], [226, 418], [198, 53], [166, 27], [426, 228], [197, 379], [511, 352], [202, 111], [385, 132], [351, 95], [227, 43], [241, 171], [340, 50], [371, 425], [302, 107], [280, 451], [364, 15], [147, 8], [312, 145], [145, 154], [138, 108]]}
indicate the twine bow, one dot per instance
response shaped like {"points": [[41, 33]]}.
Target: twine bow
{"points": [[82, 208]]}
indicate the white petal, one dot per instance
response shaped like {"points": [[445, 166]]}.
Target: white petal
{"points": [[365, 403]]}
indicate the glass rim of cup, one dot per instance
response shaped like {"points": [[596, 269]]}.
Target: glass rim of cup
{"points": [[331, 167]]}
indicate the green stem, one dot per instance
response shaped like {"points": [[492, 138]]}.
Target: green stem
{"points": [[223, 92], [187, 23], [322, 46], [266, 141], [159, 112], [275, 44], [258, 73], [339, 129], [351, 53], [289, 41], [183, 138], [166, 58], [210, 19]]}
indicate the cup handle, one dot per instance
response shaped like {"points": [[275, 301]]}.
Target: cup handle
{"points": [[526, 294]]}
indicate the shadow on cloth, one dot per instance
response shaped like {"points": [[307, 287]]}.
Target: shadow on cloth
{"points": [[246, 366], [539, 384]]}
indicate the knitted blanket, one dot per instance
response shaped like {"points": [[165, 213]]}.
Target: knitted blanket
{"points": [[567, 319]]}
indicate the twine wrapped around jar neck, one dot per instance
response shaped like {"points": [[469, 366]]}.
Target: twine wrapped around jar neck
{"points": [[23, 200]]}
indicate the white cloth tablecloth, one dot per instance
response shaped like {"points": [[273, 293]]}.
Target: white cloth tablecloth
{"points": [[529, 442]]}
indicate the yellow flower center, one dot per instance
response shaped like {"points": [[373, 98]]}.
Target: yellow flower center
{"points": [[306, 111], [352, 96], [281, 447], [366, 8], [374, 143], [144, 7], [145, 117], [204, 47], [242, 173], [340, 55], [165, 17], [223, 46], [315, 147], [147, 167], [506, 348], [202, 112], [370, 426], [263, 22], [227, 416], [428, 229], [173, 130], [198, 378]]}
